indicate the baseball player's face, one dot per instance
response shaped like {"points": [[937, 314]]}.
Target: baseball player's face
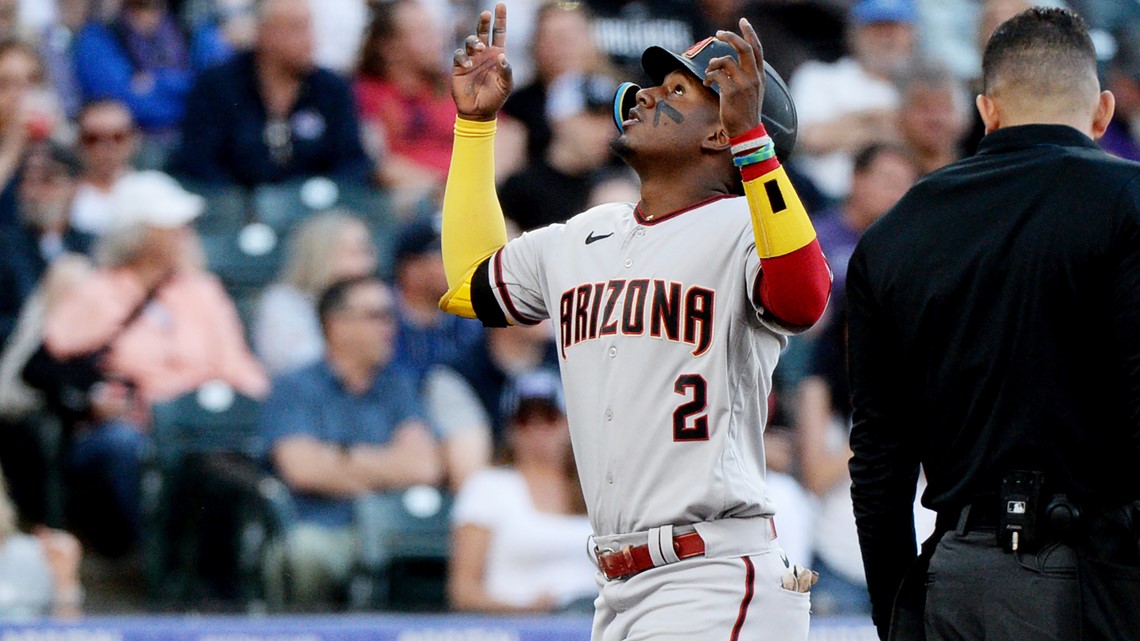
{"points": [[670, 121]]}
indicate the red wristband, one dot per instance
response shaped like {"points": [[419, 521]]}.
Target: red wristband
{"points": [[752, 134]]}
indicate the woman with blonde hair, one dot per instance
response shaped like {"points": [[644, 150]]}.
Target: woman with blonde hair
{"points": [[327, 247]]}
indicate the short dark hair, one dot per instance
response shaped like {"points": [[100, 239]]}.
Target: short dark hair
{"points": [[866, 156], [1048, 51], [335, 297]]}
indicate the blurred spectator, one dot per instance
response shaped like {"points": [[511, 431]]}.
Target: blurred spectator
{"points": [[464, 397], [557, 186], [108, 139], [21, 119], [57, 48], [721, 14], [619, 185], [853, 102], [326, 248], [795, 506], [270, 115], [47, 186], [338, 28], [530, 508], [882, 174], [142, 59], [404, 94], [934, 116], [10, 19], [167, 326], [1123, 76], [427, 335], [558, 48], [39, 574], [624, 29], [229, 29], [340, 428]]}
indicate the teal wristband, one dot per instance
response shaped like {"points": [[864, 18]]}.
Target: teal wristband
{"points": [[760, 155]]}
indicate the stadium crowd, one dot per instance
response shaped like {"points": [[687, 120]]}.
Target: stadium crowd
{"points": [[224, 376]]}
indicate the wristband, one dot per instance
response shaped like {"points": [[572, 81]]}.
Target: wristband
{"points": [[764, 153], [750, 145]]}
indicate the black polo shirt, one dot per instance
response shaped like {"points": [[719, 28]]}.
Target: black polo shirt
{"points": [[994, 325]]}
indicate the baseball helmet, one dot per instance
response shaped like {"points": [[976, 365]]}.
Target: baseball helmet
{"points": [[778, 112]]}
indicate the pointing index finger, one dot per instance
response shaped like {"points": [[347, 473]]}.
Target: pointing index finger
{"points": [[499, 32], [743, 49]]}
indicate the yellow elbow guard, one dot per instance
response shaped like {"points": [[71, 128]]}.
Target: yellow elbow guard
{"points": [[779, 220], [457, 300]]}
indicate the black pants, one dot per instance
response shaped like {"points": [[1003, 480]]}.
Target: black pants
{"points": [[976, 590]]}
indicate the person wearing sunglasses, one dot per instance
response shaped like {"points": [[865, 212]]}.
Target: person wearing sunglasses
{"points": [[107, 140]]}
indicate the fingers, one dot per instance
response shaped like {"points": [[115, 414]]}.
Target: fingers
{"points": [[483, 29], [499, 32], [754, 40], [743, 49]]}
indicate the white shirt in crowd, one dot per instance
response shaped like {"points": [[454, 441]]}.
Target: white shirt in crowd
{"points": [[91, 209], [823, 92], [531, 553]]}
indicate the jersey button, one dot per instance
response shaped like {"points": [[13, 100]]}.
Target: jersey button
{"points": [[609, 415], [628, 262], [640, 231], [613, 352]]}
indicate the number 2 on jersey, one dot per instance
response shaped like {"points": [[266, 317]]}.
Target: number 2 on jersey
{"points": [[689, 421]]}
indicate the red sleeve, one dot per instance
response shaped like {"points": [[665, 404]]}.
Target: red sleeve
{"points": [[795, 287]]}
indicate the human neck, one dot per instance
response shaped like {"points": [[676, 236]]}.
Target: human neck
{"points": [[660, 196], [278, 84], [515, 355], [102, 179], [150, 273], [354, 372], [855, 217]]}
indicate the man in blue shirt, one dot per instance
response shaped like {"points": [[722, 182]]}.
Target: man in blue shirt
{"points": [[343, 427], [271, 115]]}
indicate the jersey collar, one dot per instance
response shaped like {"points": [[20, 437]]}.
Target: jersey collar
{"points": [[641, 219]]}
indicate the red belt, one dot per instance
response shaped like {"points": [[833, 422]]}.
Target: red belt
{"points": [[632, 560]]}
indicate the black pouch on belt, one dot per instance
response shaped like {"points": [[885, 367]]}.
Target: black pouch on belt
{"points": [[1108, 572]]}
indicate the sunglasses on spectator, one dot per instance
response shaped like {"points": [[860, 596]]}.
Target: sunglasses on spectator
{"points": [[92, 138]]}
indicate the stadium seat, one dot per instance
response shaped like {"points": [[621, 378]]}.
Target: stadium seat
{"points": [[208, 506], [404, 545], [227, 209]]}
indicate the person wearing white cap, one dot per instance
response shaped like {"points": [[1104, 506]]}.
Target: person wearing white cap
{"points": [[166, 325]]}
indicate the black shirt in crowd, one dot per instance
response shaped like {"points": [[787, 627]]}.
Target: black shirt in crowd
{"points": [[994, 324]]}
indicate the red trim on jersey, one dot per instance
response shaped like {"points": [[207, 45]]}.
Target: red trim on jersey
{"points": [[639, 217], [506, 295], [795, 287], [749, 589]]}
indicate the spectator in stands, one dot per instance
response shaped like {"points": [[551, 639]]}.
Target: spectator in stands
{"points": [[464, 396], [338, 29], [846, 105], [934, 116], [556, 187], [558, 48], [270, 115], [342, 427], [797, 505], [405, 100], [21, 78], [142, 59], [229, 30], [107, 139], [427, 336], [185, 332], [47, 185], [326, 248], [57, 48], [39, 574], [1123, 135], [882, 174], [530, 508]]}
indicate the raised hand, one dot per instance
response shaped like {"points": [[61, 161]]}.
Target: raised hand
{"points": [[741, 83], [480, 76]]}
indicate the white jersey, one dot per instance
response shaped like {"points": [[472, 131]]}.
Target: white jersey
{"points": [[666, 359]]}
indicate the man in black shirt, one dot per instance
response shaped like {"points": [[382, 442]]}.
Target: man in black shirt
{"points": [[994, 327]]}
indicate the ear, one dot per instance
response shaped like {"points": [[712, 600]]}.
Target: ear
{"points": [[717, 141], [1105, 107], [988, 110]]}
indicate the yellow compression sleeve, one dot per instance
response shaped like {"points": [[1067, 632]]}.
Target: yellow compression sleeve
{"points": [[473, 225], [779, 220]]}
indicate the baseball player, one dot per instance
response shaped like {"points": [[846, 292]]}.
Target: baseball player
{"points": [[670, 315]]}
